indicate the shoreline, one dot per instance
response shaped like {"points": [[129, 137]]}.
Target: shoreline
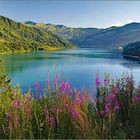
{"points": [[50, 49], [46, 50], [131, 57]]}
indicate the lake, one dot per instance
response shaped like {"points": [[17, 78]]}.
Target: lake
{"points": [[79, 66]]}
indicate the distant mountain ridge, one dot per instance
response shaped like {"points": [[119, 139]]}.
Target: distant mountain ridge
{"points": [[27, 36], [112, 37], [19, 37]]}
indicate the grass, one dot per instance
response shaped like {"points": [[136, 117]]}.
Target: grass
{"points": [[49, 48], [55, 49], [66, 113]]}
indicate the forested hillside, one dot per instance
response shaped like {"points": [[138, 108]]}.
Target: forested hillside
{"points": [[18, 37], [132, 51]]}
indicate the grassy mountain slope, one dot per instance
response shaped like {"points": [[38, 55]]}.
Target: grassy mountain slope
{"points": [[113, 37], [74, 35], [17, 37], [78, 36]]}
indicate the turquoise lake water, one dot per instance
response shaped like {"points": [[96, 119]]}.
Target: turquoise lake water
{"points": [[79, 66]]}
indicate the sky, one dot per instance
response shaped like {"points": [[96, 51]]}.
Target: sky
{"points": [[73, 13]]}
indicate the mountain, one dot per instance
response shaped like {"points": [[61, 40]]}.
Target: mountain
{"points": [[77, 36], [20, 37], [30, 22], [112, 37], [116, 37]]}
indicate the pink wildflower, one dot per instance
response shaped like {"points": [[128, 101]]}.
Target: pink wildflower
{"points": [[56, 78], [36, 84], [45, 111], [68, 85], [27, 111], [69, 91], [117, 107], [63, 86], [106, 82], [17, 118], [78, 100], [107, 107], [66, 105], [8, 115], [136, 98], [15, 104], [98, 82], [54, 109], [102, 112], [60, 110], [29, 97], [74, 114], [51, 121], [111, 97], [48, 79]]}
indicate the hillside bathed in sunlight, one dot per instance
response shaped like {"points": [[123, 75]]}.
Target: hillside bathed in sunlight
{"points": [[17, 37], [69, 69]]}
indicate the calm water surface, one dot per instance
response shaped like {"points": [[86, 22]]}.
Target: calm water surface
{"points": [[78, 65]]}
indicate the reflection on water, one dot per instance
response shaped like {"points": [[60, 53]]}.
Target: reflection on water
{"points": [[79, 65]]}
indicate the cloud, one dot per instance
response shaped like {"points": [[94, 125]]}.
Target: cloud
{"points": [[117, 24], [130, 21]]}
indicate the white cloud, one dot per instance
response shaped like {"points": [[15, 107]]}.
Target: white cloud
{"points": [[130, 21], [117, 24]]}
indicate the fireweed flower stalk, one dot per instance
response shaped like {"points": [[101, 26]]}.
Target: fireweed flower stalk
{"points": [[117, 107], [136, 98], [68, 88], [56, 83], [27, 111], [56, 78], [16, 119], [111, 97], [29, 98], [15, 104], [112, 103], [65, 87], [106, 80], [56, 109], [98, 82], [36, 85], [8, 116], [10, 125], [52, 121], [37, 88], [46, 111], [129, 83], [73, 114], [48, 84], [108, 102]]}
